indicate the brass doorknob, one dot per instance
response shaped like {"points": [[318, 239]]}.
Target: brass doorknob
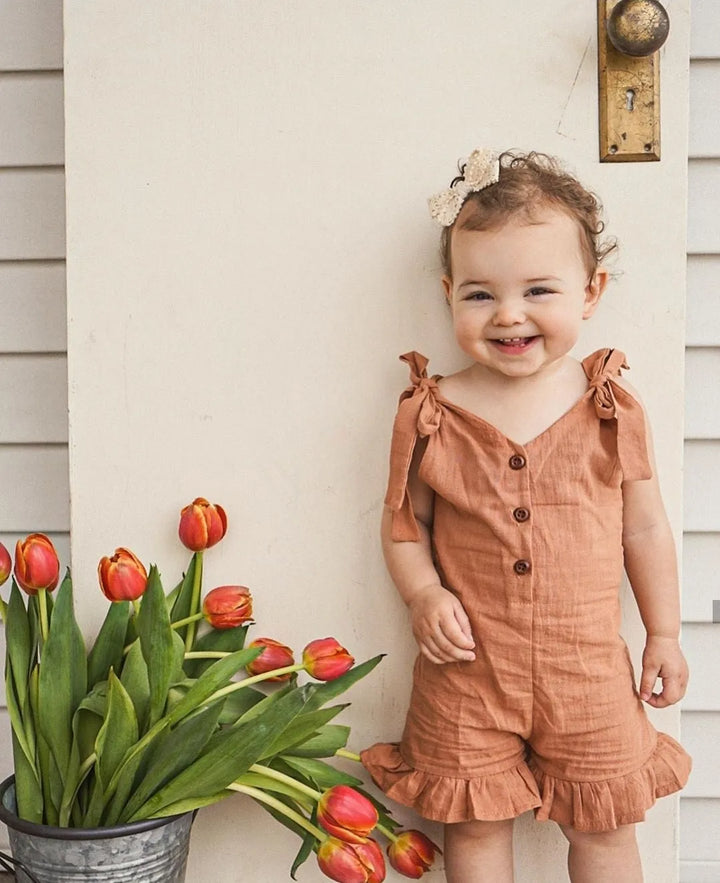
{"points": [[638, 27]]}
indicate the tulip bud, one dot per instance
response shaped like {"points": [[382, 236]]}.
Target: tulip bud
{"points": [[351, 862], [202, 524], [412, 854], [325, 659], [346, 814], [5, 564], [122, 577], [274, 655], [228, 606], [36, 564]]}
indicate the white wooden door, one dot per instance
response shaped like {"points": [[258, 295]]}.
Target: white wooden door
{"points": [[249, 250]]}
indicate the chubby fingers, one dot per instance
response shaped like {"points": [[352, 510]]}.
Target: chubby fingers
{"points": [[674, 685], [450, 639]]}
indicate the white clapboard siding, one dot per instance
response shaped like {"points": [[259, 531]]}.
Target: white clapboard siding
{"points": [[32, 222], [704, 29], [32, 307], [701, 644], [699, 872], [704, 135], [700, 818], [701, 577], [702, 392], [31, 35], [37, 476], [701, 738], [33, 392], [34, 100], [703, 233], [703, 303], [702, 485]]}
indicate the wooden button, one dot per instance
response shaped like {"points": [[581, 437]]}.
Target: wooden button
{"points": [[521, 514], [521, 567], [517, 461]]}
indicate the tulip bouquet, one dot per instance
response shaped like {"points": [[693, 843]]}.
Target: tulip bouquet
{"points": [[172, 709]]}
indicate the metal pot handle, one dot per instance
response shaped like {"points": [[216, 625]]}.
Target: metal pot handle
{"points": [[9, 864]]}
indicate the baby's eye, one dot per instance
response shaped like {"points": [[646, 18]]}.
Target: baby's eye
{"points": [[478, 295], [538, 291]]}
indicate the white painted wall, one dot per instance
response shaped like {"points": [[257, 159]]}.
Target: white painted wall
{"points": [[248, 253]]}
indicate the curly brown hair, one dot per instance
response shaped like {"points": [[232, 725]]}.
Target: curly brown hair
{"points": [[528, 182]]}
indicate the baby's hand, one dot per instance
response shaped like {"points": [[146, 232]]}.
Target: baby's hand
{"points": [[441, 626], [663, 658]]}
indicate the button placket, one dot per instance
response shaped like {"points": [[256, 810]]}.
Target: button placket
{"points": [[521, 514]]}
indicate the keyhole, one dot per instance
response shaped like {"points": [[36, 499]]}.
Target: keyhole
{"points": [[630, 99]]}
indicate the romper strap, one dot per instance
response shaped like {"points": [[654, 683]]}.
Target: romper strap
{"points": [[613, 402], [418, 414]]}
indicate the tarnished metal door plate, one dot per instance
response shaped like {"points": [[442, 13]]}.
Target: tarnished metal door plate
{"points": [[629, 99]]}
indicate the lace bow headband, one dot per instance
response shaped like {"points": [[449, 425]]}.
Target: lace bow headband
{"points": [[481, 170]]}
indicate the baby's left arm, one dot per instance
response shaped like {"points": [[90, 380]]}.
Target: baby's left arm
{"points": [[651, 565]]}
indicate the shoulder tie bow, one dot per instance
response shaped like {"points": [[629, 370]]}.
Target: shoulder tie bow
{"points": [[613, 401], [418, 415]]}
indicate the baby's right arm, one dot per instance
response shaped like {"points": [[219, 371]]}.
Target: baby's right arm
{"points": [[439, 622]]}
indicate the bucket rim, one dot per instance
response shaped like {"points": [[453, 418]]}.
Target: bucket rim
{"points": [[13, 821]]}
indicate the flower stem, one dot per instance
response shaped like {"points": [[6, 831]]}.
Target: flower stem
{"points": [[42, 605], [206, 654], [342, 752], [136, 607], [281, 807], [181, 622], [286, 780], [391, 836], [231, 688], [195, 600]]}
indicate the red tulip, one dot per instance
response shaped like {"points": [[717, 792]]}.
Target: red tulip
{"points": [[412, 854], [346, 814], [351, 862], [5, 564], [36, 564], [122, 577], [326, 660], [274, 655], [202, 524], [228, 606]]}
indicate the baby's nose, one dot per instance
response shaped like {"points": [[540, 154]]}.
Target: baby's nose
{"points": [[509, 314]]}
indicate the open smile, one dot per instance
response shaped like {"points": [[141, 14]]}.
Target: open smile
{"points": [[512, 345]]}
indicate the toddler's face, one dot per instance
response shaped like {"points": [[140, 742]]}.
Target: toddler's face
{"points": [[519, 293]]}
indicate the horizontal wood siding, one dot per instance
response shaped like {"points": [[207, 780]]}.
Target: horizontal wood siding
{"points": [[35, 101], [703, 303], [33, 364], [33, 307], [700, 801]]}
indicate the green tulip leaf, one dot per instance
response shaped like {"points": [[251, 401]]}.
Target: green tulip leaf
{"points": [[226, 757], [325, 744], [321, 775], [190, 804], [28, 793], [222, 640], [134, 678], [267, 783], [107, 651], [118, 732], [304, 853], [300, 729], [174, 750], [323, 693], [158, 646], [183, 599], [89, 718], [18, 642], [62, 682], [240, 702]]}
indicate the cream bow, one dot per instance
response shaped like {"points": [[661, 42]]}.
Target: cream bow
{"points": [[481, 170]]}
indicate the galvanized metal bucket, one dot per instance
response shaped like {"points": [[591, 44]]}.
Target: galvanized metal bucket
{"points": [[153, 851]]}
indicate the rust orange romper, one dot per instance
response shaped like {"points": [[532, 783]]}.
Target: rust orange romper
{"points": [[529, 538]]}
